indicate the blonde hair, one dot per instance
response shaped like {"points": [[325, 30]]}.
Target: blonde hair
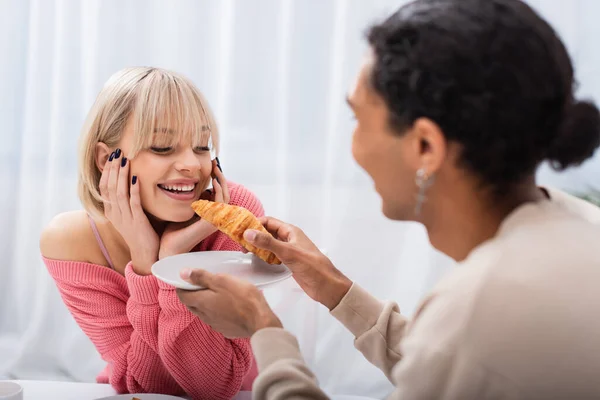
{"points": [[154, 100]]}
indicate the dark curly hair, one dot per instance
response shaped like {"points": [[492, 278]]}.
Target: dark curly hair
{"points": [[494, 76]]}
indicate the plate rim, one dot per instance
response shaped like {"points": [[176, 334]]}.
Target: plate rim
{"points": [[189, 286]]}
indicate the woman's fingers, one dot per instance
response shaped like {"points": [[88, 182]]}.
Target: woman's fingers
{"points": [[113, 180], [123, 187], [218, 173], [218, 189], [134, 199], [103, 185]]}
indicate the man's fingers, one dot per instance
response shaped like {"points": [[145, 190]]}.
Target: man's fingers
{"points": [[266, 241], [198, 277], [277, 228]]}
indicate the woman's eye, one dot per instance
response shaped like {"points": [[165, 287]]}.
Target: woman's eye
{"points": [[202, 149], [161, 150]]}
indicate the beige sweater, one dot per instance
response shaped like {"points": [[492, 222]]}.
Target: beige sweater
{"points": [[518, 319]]}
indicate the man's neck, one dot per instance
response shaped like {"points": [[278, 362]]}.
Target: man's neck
{"points": [[463, 222]]}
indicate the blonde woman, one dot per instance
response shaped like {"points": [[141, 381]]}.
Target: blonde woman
{"points": [[144, 158]]}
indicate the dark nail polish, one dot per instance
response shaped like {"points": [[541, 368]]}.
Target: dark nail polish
{"points": [[112, 155], [219, 164], [123, 161], [134, 180], [118, 153]]}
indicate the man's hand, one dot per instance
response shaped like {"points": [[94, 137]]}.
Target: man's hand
{"points": [[228, 305]]}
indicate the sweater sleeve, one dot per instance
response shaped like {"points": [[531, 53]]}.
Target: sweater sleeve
{"points": [[203, 361], [283, 371], [423, 358], [378, 328], [120, 316]]}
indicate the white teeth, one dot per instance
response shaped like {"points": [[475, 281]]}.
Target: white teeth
{"points": [[179, 188]]}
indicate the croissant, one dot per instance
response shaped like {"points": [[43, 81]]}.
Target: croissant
{"points": [[233, 221]]}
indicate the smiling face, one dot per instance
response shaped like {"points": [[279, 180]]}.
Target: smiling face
{"points": [[163, 125], [391, 157], [387, 157], [172, 171]]}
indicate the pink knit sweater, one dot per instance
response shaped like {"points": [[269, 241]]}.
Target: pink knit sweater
{"points": [[151, 342]]}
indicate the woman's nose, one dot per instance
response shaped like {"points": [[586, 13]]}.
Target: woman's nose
{"points": [[188, 161]]}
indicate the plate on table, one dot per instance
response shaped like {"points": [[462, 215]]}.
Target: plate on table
{"points": [[245, 266]]}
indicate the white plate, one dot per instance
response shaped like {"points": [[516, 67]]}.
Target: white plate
{"points": [[245, 266], [143, 396]]}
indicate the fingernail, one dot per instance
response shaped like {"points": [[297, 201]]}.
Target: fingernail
{"points": [[123, 161], [185, 273], [118, 153], [250, 235], [219, 164], [112, 155], [134, 180]]}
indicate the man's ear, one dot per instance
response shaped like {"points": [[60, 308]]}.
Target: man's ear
{"points": [[103, 152], [431, 143]]}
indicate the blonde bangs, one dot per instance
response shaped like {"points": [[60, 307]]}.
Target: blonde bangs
{"points": [[169, 109]]}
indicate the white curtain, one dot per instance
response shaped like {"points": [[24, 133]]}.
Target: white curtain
{"points": [[276, 72]]}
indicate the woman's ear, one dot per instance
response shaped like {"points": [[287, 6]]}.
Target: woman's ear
{"points": [[102, 154]]}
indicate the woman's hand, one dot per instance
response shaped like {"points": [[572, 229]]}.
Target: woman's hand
{"points": [[122, 207], [313, 271], [182, 237], [230, 306]]}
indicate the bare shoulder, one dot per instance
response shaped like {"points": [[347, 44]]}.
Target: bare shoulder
{"points": [[68, 236]]}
